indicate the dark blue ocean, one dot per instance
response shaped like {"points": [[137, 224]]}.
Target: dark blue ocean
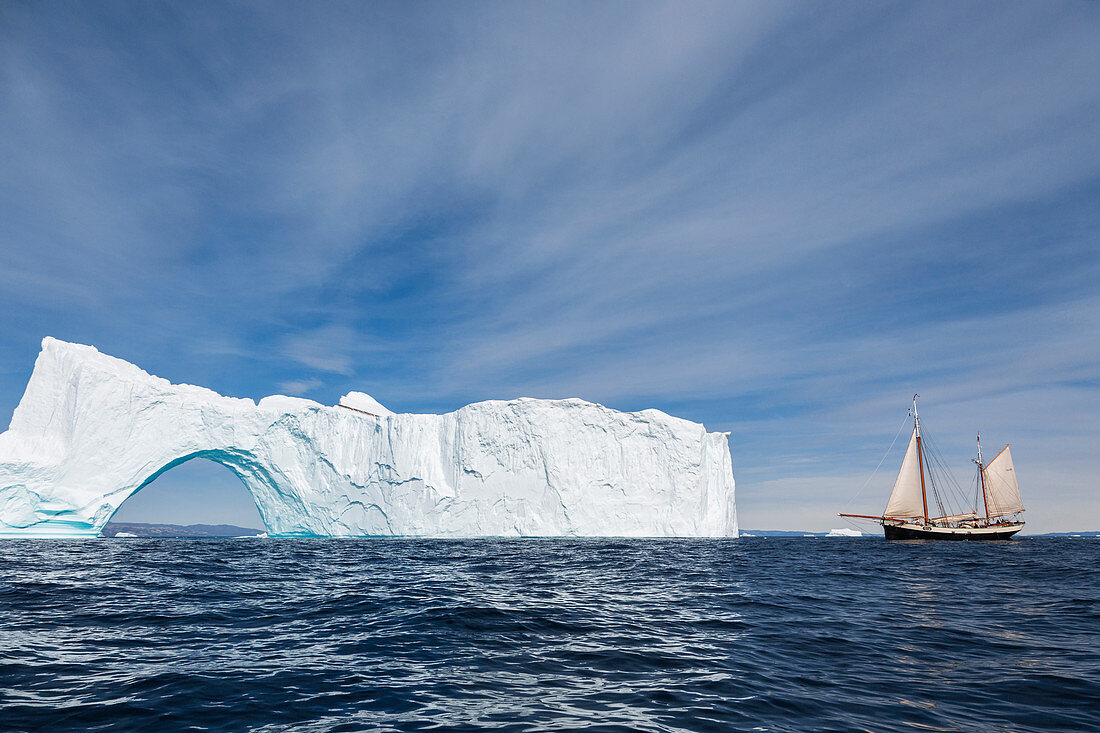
{"points": [[549, 635]]}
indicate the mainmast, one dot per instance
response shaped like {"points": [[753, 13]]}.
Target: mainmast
{"points": [[981, 475], [920, 458]]}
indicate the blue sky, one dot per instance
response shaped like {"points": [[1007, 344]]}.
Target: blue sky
{"points": [[777, 219]]}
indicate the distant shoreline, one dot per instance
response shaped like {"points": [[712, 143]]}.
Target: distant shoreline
{"points": [[142, 529]]}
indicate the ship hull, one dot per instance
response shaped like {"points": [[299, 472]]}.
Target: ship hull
{"points": [[906, 531]]}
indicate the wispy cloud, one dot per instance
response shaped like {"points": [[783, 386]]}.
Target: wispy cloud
{"points": [[300, 386], [324, 349]]}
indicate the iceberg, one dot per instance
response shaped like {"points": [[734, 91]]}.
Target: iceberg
{"points": [[91, 430]]}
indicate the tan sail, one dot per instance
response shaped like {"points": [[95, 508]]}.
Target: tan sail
{"points": [[906, 500], [1001, 490]]}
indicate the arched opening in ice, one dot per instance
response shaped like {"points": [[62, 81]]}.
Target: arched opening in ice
{"points": [[199, 489]]}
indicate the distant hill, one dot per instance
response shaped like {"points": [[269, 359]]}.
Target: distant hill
{"points": [[786, 533], [800, 533], [136, 529], [1082, 533]]}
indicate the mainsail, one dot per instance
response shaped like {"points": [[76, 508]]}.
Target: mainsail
{"points": [[906, 499], [1001, 490]]}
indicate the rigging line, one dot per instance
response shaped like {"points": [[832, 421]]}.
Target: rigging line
{"points": [[943, 498], [884, 455], [945, 480], [949, 477], [931, 464], [935, 488], [858, 527], [959, 496]]}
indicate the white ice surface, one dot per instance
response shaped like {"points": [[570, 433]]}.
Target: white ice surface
{"points": [[365, 403], [91, 430]]}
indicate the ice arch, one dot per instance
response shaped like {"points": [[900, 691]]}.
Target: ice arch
{"points": [[91, 430], [195, 492], [199, 488]]}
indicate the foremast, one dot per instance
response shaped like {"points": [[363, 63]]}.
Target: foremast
{"points": [[920, 458], [910, 485]]}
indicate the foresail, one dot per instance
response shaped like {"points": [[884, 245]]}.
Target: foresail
{"points": [[1001, 490], [905, 500]]}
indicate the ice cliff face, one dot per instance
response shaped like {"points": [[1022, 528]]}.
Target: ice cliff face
{"points": [[91, 430]]}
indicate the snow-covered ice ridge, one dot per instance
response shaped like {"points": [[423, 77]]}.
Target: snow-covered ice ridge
{"points": [[91, 430]]}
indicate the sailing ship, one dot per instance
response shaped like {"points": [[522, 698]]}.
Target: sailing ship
{"points": [[907, 516]]}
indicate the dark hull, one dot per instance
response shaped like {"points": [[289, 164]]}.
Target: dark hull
{"points": [[909, 533]]}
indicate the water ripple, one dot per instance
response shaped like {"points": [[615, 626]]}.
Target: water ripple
{"points": [[548, 635]]}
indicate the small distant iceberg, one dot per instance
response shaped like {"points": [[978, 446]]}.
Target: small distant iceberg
{"points": [[844, 532]]}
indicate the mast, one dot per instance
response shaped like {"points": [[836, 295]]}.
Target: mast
{"points": [[920, 459], [981, 474]]}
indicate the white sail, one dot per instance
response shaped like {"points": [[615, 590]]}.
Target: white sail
{"points": [[906, 500], [1001, 490]]}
